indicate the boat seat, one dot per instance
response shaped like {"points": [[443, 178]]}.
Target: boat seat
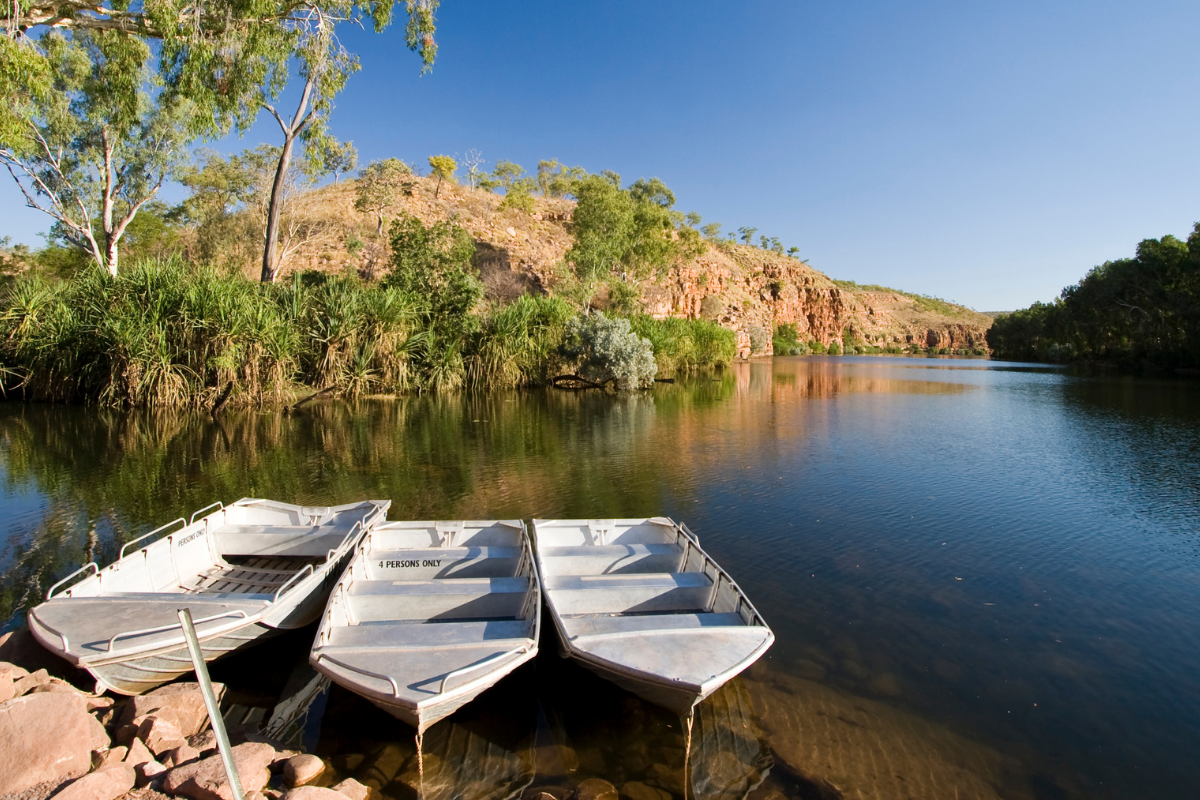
{"points": [[404, 635], [442, 562], [629, 592], [605, 624], [609, 559], [278, 540], [465, 598]]}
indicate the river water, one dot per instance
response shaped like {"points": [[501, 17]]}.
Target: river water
{"points": [[984, 578]]}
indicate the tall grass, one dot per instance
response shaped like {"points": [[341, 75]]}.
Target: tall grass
{"points": [[683, 344], [169, 334]]}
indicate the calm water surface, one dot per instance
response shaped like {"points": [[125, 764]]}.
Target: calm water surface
{"points": [[984, 577]]}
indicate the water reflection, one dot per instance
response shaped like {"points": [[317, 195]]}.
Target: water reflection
{"points": [[1004, 562]]}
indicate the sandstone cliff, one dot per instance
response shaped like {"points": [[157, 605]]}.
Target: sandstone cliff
{"points": [[752, 290]]}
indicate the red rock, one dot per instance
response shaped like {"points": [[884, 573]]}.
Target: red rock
{"points": [[313, 793], [44, 737], [6, 687], [56, 685], [180, 755], [12, 670], [160, 735], [24, 685], [206, 779], [203, 741], [354, 790], [113, 755], [101, 703], [107, 783], [148, 771], [184, 700], [138, 753], [303, 769]]}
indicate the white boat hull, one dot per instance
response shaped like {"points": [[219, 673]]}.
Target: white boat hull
{"points": [[430, 615], [246, 572], [639, 603]]}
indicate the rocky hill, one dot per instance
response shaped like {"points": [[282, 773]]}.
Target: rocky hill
{"points": [[753, 290]]}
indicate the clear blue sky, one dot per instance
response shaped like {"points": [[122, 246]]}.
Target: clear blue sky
{"points": [[986, 153]]}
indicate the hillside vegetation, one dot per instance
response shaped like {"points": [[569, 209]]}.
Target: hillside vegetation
{"points": [[427, 286], [1136, 311]]}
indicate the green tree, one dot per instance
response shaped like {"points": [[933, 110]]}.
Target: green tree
{"points": [[432, 267], [339, 157], [712, 231], [503, 176], [747, 234], [380, 183], [443, 168], [556, 180], [693, 219], [94, 148], [652, 191], [223, 56]]}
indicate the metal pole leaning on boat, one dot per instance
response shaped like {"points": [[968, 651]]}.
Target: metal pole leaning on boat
{"points": [[210, 702]]}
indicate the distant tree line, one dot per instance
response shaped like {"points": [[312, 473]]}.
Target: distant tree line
{"points": [[1134, 311]]}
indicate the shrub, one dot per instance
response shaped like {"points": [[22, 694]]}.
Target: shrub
{"points": [[759, 337], [711, 307], [604, 349], [786, 341], [816, 347], [518, 199], [835, 349]]}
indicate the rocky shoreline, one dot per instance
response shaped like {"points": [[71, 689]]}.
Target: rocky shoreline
{"points": [[58, 740]]}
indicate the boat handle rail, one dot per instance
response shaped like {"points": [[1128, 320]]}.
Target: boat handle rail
{"points": [[90, 565], [217, 505], [164, 628], [721, 573], [160, 529], [302, 573], [395, 686], [472, 667]]}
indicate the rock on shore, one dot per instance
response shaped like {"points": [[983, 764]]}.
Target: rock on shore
{"points": [[58, 741]]}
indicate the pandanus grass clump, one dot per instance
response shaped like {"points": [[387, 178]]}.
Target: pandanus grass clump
{"points": [[166, 333]]}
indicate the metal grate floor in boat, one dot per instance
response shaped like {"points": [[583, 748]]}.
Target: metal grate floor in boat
{"points": [[261, 575]]}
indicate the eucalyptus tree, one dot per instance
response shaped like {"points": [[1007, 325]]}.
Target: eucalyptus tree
{"points": [[339, 158], [226, 59], [92, 146], [379, 185]]}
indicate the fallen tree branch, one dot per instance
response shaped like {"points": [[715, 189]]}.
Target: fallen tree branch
{"points": [[313, 396], [574, 383], [222, 398]]}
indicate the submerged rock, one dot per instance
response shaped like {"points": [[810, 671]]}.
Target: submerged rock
{"points": [[355, 790], [811, 670], [839, 742], [554, 760], [636, 790], [596, 789], [885, 684]]}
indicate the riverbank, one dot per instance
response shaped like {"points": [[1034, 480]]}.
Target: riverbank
{"points": [[170, 334]]}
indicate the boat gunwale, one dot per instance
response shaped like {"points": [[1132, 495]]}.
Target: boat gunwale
{"points": [[701, 690], [290, 592], [345, 674]]}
